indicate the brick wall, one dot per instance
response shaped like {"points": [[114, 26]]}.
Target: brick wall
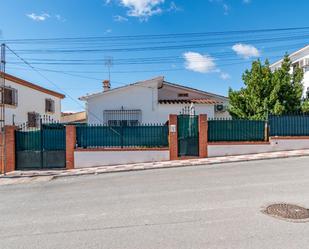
{"points": [[9, 133], [203, 135], [173, 138], [70, 146]]}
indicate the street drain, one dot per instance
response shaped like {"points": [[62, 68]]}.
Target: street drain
{"points": [[287, 211]]}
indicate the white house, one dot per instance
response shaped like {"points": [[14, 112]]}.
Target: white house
{"points": [[300, 58], [25, 102], [149, 101]]}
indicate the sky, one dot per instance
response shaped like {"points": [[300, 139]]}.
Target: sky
{"points": [[187, 42]]}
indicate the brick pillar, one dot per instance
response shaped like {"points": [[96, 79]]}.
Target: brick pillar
{"points": [[9, 133], [70, 132], [203, 135], [173, 137]]}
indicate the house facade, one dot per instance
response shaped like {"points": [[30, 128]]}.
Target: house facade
{"points": [[73, 117], [26, 102], [299, 59], [150, 101]]}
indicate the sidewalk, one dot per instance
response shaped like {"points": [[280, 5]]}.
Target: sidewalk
{"points": [[41, 175]]}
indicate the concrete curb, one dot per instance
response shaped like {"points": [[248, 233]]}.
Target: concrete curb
{"points": [[151, 166], [176, 166]]}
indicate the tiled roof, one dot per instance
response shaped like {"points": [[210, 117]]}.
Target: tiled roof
{"points": [[33, 86], [188, 101]]}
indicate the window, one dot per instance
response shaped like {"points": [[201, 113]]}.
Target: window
{"points": [[296, 65], [307, 93], [49, 105], [10, 96], [181, 95], [122, 122], [33, 119], [122, 117]]}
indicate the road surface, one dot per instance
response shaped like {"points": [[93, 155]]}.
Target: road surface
{"points": [[205, 207]]}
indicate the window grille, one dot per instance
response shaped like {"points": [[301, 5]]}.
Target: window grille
{"points": [[122, 117], [49, 105], [33, 119], [10, 96]]}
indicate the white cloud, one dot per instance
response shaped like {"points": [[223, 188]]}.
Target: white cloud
{"points": [[38, 18], [225, 6], [119, 18], [246, 50], [199, 63], [225, 76], [173, 7], [108, 31], [142, 9], [226, 9], [246, 1], [60, 18]]}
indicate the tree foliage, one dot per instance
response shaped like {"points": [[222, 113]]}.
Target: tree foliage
{"points": [[265, 91]]}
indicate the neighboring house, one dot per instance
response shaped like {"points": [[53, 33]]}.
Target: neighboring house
{"points": [[300, 58], [150, 101], [73, 117], [26, 102]]}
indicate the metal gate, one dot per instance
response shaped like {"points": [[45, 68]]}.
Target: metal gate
{"points": [[188, 137], [40, 145]]}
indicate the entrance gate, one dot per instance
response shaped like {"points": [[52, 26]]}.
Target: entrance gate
{"points": [[40, 146], [188, 137]]}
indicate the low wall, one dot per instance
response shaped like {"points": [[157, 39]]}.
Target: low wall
{"points": [[243, 148], [92, 158], [102, 157]]}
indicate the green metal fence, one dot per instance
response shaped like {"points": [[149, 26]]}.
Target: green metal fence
{"points": [[235, 130], [188, 135], [289, 125], [40, 146], [146, 135], [49, 137]]}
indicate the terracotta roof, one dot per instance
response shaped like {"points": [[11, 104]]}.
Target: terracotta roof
{"points": [[33, 86], [188, 101]]}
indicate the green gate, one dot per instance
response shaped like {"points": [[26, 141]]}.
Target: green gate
{"points": [[188, 137], [41, 147]]}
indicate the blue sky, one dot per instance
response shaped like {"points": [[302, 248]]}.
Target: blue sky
{"points": [[212, 68]]}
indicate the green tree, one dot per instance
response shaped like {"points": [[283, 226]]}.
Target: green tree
{"points": [[264, 91]]}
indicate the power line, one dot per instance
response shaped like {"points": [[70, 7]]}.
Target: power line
{"points": [[51, 82], [160, 48], [155, 36]]}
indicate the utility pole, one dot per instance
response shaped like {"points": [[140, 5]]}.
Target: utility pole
{"points": [[2, 107]]}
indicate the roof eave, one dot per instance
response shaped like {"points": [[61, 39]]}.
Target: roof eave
{"points": [[33, 86], [196, 90]]}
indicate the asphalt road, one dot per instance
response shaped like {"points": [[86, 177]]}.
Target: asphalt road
{"points": [[194, 207]]}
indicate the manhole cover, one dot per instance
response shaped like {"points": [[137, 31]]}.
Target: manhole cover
{"points": [[287, 211]]}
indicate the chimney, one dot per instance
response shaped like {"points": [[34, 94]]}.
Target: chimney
{"points": [[106, 85]]}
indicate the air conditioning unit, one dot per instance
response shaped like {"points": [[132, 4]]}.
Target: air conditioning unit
{"points": [[220, 108]]}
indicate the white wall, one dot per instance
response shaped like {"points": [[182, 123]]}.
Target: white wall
{"points": [[102, 158], [85, 159], [243, 149], [295, 58], [140, 97], [136, 97], [165, 109], [306, 80], [29, 100]]}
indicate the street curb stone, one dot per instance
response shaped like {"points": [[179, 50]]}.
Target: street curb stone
{"points": [[22, 175]]}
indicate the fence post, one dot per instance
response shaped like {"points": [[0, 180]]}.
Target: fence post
{"points": [[203, 135], [70, 139], [173, 137], [8, 164]]}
